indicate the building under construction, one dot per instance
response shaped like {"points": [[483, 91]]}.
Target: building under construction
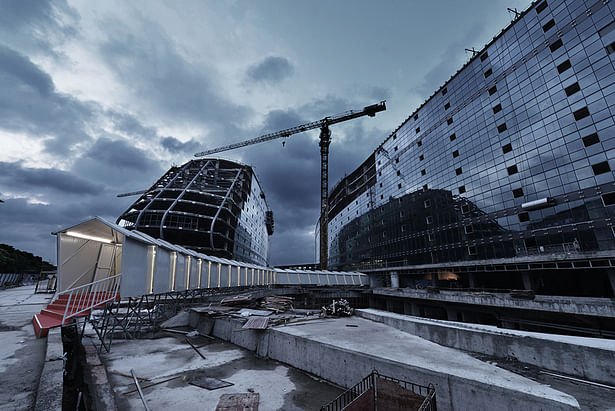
{"points": [[212, 206]]}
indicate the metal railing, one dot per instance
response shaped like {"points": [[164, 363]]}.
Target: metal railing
{"points": [[369, 382], [88, 296]]}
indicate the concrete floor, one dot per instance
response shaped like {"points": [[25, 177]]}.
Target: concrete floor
{"points": [[280, 387], [21, 354]]}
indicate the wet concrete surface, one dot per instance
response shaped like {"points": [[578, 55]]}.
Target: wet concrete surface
{"points": [[169, 357], [21, 354]]}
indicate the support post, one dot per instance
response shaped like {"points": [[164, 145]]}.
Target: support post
{"points": [[611, 274], [528, 284], [394, 279]]}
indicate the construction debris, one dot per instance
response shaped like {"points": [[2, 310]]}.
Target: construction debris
{"points": [[209, 383], [195, 349], [256, 323], [338, 308], [239, 402], [277, 304], [134, 376], [240, 300]]}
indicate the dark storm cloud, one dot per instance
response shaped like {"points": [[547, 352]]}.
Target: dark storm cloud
{"points": [[177, 147], [269, 71], [25, 179], [119, 154], [36, 24], [30, 104], [151, 68]]}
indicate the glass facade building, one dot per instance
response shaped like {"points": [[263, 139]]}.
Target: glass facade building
{"points": [[212, 206], [512, 158]]}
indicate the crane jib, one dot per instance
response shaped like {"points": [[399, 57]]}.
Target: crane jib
{"points": [[348, 115]]}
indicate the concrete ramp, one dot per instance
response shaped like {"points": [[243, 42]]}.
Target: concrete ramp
{"points": [[344, 350]]}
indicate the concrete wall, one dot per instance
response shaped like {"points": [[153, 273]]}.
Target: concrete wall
{"points": [[575, 357], [346, 367]]}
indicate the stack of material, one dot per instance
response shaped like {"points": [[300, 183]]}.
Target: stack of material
{"points": [[277, 304], [238, 300], [338, 308]]}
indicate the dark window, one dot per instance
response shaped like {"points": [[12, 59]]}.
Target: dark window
{"points": [[465, 208], [502, 127], [395, 148], [488, 73], [484, 56], [608, 199], [398, 172], [497, 109], [548, 25], [419, 143], [418, 129], [399, 185], [610, 48], [507, 148], [444, 91], [571, 89], [518, 192], [397, 160], [493, 90], [425, 187], [421, 157], [591, 139], [416, 117], [380, 173], [431, 236], [564, 66], [427, 203], [601, 168], [607, 29], [512, 170], [447, 106], [429, 219], [557, 44], [472, 250], [462, 189], [455, 153], [394, 136], [449, 121], [541, 7], [381, 196], [423, 172], [468, 229], [458, 171], [523, 217], [452, 136], [581, 113]]}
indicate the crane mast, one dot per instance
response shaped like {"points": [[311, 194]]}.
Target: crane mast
{"points": [[324, 142]]}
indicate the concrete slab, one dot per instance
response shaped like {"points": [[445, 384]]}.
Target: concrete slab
{"points": [[21, 354], [280, 387]]}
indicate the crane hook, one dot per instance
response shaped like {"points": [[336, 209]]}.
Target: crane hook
{"points": [[283, 143]]}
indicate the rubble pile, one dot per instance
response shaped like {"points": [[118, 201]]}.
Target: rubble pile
{"points": [[338, 308]]}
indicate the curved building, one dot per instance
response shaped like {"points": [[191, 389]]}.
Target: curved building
{"points": [[506, 168], [213, 206]]}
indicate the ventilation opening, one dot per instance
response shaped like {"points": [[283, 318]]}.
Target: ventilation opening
{"points": [[395, 148], [610, 48], [523, 217], [399, 185], [423, 172], [465, 209], [608, 199], [581, 113], [394, 136], [419, 143], [512, 170], [556, 45], [444, 91], [468, 229], [452, 136], [458, 171], [416, 117], [601, 168], [571, 89], [488, 73], [548, 25], [449, 121], [502, 127], [484, 56], [497, 109], [447, 106], [517, 192], [541, 7], [564, 66], [425, 187], [421, 157], [455, 153], [427, 203], [398, 172], [429, 219], [507, 148], [472, 250], [591, 139], [462, 189], [418, 129], [493, 90]]}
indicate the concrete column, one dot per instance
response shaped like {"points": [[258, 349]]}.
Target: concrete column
{"points": [[528, 283], [471, 280], [611, 274], [394, 279], [451, 314]]}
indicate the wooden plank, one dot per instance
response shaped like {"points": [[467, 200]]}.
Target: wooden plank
{"points": [[238, 402]]}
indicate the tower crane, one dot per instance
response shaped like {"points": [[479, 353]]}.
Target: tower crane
{"points": [[324, 141]]}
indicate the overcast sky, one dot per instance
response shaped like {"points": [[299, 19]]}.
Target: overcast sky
{"points": [[101, 97]]}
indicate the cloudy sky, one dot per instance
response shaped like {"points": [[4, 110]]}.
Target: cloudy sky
{"points": [[101, 97]]}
